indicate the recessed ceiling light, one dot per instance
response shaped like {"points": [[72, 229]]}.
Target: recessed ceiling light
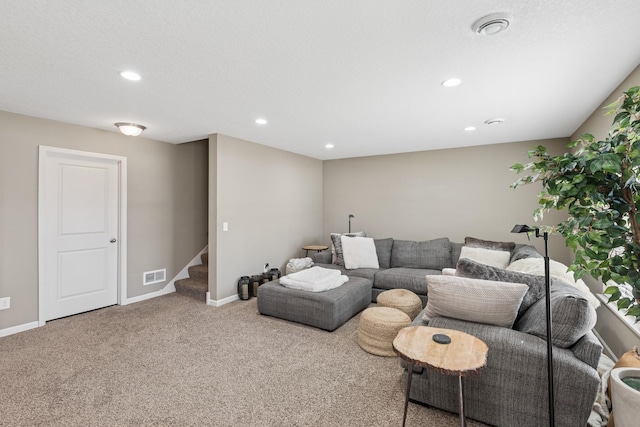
{"points": [[494, 121], [130, 75], [261, 121], [451, 82], [492, 24], [470, 128], [329, 146]]}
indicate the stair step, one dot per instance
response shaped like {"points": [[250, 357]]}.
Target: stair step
{"points": [[192, 288], [199, 272], [205, 258]]}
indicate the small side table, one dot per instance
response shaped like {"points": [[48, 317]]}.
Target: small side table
{"points": [[463, 356], [318, 248]]}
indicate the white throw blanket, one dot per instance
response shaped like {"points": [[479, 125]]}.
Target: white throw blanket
{"points": [[299, 263], [558, 270], [314, 279]]}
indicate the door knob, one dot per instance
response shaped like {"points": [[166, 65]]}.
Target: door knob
{"points": [[112, 240]]}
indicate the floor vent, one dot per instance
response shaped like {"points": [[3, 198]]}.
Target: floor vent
{"points": [[151, 277]]}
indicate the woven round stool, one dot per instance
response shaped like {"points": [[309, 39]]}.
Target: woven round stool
{"points": [[401, 299], [378, 328]]}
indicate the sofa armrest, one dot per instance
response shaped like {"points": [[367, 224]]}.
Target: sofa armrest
{"points": [[515, 376]]}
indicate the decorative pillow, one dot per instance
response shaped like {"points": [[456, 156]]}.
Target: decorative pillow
{"points": [[448, 271], [488, 244], [572, 316], [455, 252], [359, 252], [469, 268], [556, 270], [474, 300], [336, 246], [522, 252], [431, 254], [490, 257], [383, 249]]}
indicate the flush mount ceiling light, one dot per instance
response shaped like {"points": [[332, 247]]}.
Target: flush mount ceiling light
{"points": [[470, 128], [261, 121], [130, 129], [451, 82], [329, 146], [130, 75], [494, 121], [492, 24]]}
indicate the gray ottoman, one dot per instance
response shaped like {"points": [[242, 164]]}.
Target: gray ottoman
{"points": [[326, 310]]}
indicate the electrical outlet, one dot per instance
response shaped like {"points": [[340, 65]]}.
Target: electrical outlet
{"points": [[5, 303]]}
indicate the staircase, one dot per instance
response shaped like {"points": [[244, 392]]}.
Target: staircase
{"points": [[197, 284]]}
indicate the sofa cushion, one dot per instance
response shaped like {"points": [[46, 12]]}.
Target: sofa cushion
{"points": [[404, 278], [572, 316], [474, 300], [495, 258], [488, 244], [383, 249], [588, 349], [336, 245], [359, 252], [430, 254], [470, 268]]}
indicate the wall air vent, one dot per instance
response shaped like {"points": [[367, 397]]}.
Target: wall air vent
{"points": [[151, 277]]}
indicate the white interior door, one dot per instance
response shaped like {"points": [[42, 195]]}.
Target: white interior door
{"points": [[79, 233]]}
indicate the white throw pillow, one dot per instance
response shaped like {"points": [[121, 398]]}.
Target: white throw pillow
{"points": [[474, 300], [449, 271], [498, 259], [359, 252]]}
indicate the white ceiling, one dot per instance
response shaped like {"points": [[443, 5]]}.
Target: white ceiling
{"points": [[362, 74]]}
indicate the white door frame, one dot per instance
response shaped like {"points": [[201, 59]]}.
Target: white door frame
{"points": [[122, 217]]}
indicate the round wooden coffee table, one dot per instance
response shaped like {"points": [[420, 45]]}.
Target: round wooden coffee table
{"points": [[462, 356], [317, 248]]}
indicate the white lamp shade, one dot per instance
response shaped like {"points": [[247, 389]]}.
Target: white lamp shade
{"points": [[130, 129]]}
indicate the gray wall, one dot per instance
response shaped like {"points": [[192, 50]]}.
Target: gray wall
{"points": [[443, 193], [617, 334], [167, 204], [272, 201]]}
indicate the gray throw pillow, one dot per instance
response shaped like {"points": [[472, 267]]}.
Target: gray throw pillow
{"points": [[488, 244], [431, 254], [469, 268], [522, 252], [383, 249], [571, 316]]}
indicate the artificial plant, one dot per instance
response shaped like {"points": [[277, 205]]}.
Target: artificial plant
{"points": [[597, 183]]}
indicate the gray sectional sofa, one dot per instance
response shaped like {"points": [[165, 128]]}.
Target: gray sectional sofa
{"points": [[403, 264], [512, 389]]}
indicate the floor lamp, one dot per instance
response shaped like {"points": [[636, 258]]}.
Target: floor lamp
{"points": [[545, 235]]}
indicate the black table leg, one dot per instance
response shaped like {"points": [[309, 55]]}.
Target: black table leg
{"points": [[407, 390], [463, 420]]}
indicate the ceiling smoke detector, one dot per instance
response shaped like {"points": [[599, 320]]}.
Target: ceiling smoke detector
{"points": [[492, 24], [494, 121]]}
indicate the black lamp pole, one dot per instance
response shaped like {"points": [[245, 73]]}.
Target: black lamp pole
{"points": [[350, 216], [547, 286]]}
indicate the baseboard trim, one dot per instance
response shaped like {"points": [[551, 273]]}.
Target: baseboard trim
{"points": [[218, 303], [169, 287], [20, 328]]}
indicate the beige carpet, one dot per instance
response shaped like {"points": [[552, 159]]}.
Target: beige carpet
{"points": [[173, 361]]}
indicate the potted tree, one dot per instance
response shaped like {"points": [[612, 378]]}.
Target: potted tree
{"points": [[598, 184]]}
